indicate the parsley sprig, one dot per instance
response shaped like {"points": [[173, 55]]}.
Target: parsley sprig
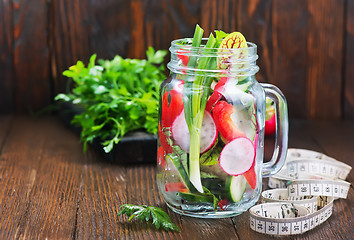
{"points": [[117, 96], [159, 217]]}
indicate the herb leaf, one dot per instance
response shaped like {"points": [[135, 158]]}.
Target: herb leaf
{"points": [[220, 35], [159, 217], [117, 96]]}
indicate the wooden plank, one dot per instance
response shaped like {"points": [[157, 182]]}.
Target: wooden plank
{"points": [[111, 28], [254, 19], [142, 190], [15, 194], [6, 58], [336, 138], [325, 59], [167, 20], [51, 190], [300, 137], [81, 28], [102, 191], [349, 62], [195, 228], [218, 15], [333, 139], [5, 126], [31, 55], [40, 175], [69, 37], [289, 62], [297, 53], [137, 38]]}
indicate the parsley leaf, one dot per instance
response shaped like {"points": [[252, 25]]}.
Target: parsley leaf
{"points": [[159, 218], [117, 96]]}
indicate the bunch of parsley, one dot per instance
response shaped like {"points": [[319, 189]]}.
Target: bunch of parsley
{"points": [[117, 96]]}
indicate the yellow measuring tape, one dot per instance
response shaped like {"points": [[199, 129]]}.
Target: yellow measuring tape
{"points": [[303, 194]]}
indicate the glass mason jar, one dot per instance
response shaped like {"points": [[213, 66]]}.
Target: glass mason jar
{"points": [[211, 131]]}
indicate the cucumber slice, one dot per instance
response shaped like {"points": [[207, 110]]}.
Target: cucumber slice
{"points": [[215, 185], [195, 198], [176, 162], [235, 186], [214, 170]]}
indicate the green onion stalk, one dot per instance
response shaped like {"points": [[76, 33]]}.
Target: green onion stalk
{"points": [[196, 93]]}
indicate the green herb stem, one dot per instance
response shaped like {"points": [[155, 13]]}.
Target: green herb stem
{"points": [[194, 107], [157, 216]]}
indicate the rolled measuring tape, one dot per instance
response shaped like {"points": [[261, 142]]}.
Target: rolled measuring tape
{"points": [[303, 194]]}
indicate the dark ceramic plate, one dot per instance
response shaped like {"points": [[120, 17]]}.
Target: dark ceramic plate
{"points": [[135, 147]]}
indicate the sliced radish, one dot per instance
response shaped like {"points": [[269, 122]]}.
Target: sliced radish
{"points": [[180, 132], [237, 156]]}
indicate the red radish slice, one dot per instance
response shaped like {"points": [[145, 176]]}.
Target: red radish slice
{"points": [[222, 115], [237, 156], [216, 96], [180, 132], [251, 177], [176, 187]]}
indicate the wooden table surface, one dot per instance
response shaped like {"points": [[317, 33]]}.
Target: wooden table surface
{"points": [[51, 190]]}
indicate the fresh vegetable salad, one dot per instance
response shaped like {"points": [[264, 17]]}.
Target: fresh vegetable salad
{"points": [[210, 125]]}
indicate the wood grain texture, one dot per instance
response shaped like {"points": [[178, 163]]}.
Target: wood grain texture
{"points": [[50, 189], [69, 37], [167, 20], [102, 191], [111, 27], [254, 20], [31, 55], [5, 126], [219, 15], [349, 62], [337, 142], [142, 190], [289, 62], [35, 201], [305, 47], [6, 58], [325, 57]]}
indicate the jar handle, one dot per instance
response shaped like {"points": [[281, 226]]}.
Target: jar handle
{"points": [[282, 129]]}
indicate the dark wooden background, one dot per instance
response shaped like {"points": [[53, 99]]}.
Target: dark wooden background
{"points": [[306, 47]]}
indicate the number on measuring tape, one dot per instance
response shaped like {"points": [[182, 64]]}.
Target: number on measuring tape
{"points": [[308, 186], [316, 189], [260, 226], [271, 228], [253, 223], [296, 228], [305, 189], [284, 228]]}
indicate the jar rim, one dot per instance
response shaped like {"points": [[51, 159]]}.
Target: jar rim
{"points": [[235, 61], [176, 43]]}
